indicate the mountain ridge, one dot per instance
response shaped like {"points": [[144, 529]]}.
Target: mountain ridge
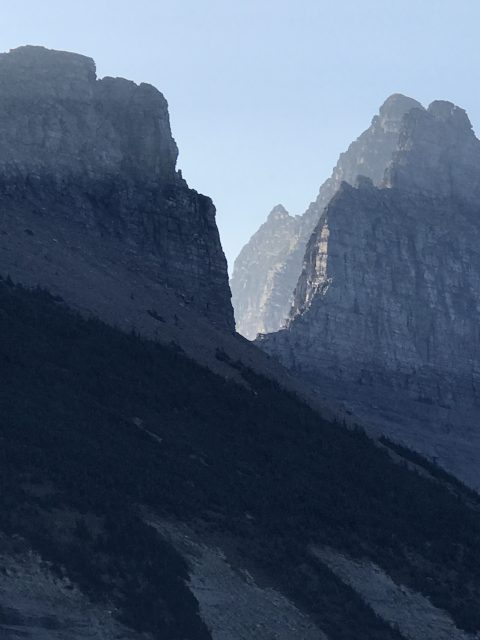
{"points": [[262, 289], [386, 309]]}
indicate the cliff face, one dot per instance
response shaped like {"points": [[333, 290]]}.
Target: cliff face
{"points": [[267, 269], [89, 162], [387, 308]]}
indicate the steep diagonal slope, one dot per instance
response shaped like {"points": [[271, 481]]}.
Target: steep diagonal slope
{"points": [[164, 493], [268, 267], [90, 164], [387, 309]]}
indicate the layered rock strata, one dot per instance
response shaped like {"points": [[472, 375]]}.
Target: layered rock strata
{"points": [[387, 310], [94, 162], [268, 267]]}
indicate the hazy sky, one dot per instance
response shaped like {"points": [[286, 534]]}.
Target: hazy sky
{"points": [[264, 94]]}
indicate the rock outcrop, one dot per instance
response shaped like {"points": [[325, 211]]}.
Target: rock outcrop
{"points": [[387, 308], [268, 267], [260, 284], [89, 162]]}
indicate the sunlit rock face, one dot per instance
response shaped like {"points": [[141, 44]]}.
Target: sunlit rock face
{"points": [[260, 286], [386, 313], [268, 267], [96, 159]]}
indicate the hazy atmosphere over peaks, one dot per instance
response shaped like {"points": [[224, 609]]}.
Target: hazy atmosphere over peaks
{"points": [[162, 476], [265, 94]]}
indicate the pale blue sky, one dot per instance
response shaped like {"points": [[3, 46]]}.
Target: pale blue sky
{"points": [[264, 94]]}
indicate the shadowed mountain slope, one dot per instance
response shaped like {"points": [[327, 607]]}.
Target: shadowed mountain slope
{"points": [[105, 434], [89, 165]]}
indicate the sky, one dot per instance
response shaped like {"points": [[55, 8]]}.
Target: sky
{"points": [[265, 94]]}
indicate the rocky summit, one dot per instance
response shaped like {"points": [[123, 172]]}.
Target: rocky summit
{"points": [[387, 309], [268, 267], [92, 206], [259, 301]]}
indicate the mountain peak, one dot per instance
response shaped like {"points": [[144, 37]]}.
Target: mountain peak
{"points": [[397, 104], [393, 110], [46, 64], [385, 315], [263, 288], [450, 113], [36, 52], [437, 153], [278, 212]]}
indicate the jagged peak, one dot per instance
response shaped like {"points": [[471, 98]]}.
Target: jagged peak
{"points": [[134, 135], [437, 153], [451, 113], [396, 105], [278, 213]]}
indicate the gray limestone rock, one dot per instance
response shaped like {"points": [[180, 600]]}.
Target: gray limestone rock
{"points": [[437, 153], [268, 267], [259, 276], [96, 159], [387, 310]]}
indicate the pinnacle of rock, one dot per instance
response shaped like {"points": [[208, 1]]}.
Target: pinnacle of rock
{"points": [[278, 212], [262, 288], [447, 111], [437, 153], [397, 105]]}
